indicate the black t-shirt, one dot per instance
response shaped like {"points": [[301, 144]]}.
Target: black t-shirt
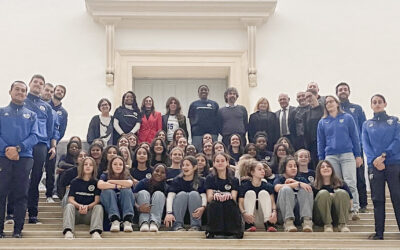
{"points": [[127, 118], [178, 184], [172, 173], [222, 185], [331, 190], [247, 185], [145, 185], [264, 155], [140, 175], [310, 175], [84, 192]]}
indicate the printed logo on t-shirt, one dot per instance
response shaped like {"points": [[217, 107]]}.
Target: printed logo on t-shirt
{"points": [[228, 187], [26, 116], [390, 121], [267, 158], [371, 124], [42, 108], [371, 176], [341, 120], [134, 113], [91, 188], [352, 110], [209, 105], [310, 179], [148, 175]]}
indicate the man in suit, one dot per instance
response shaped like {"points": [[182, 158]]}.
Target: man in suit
{"points": [[285, 116]]}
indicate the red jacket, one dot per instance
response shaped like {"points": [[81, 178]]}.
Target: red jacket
{"points": [[149, 127]]}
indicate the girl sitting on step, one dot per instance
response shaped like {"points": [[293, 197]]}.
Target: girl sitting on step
{"points": [[332, 199], [186, 192], [116, 195], [84, 201]]}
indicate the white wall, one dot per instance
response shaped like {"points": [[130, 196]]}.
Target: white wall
{"points": [[306, 40]]}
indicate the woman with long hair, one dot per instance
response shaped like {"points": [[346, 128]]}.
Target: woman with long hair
{"points": [[141, 167], [235, 147], [381, 142], [151, 121], [108, 153], [339, 143], [332, 199], [174, 118], [280, 152], [176, 155], [158, 151]]}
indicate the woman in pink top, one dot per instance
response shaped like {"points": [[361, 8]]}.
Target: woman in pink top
{"points": [[151, 121]]}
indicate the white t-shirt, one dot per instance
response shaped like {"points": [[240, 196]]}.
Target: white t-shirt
{"points": [[172, 125]]}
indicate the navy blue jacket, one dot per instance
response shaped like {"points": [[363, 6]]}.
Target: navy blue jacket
{"points": [[18, 127], [62, 118], [337, 135], [356, 112], [44, 114], [381, 134]]}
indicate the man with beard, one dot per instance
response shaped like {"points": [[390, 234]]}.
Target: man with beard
{"points": [[343, 93], [232, 118], [298, 137], [59, 93], [203, 115], [314, 89]]}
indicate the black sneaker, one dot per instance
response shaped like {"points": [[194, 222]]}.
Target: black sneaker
{"points": [[375, 237], [17, 235], [34, 220], [2, 235]]}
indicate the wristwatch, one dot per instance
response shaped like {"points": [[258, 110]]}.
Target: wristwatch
{"points": [[18, 148]]}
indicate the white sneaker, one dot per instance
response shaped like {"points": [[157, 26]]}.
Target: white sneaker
{"points": [[55, 196], [355, 215], [115, 226], [42, 187], [128, 226], [69, 235], [50, 200], [144, 227], [96, 235], [153, 227]]}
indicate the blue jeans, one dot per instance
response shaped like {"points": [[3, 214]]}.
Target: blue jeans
{"points": [[118, 204], [345, 168], [157, 202], [182, 202]]}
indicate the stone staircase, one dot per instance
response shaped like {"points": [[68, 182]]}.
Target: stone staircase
{"points": [[48, 236]]}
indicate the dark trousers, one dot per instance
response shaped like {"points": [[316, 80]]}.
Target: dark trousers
{"points": [[391, 174], [225, 140], [361, 187], [50, 167], [314, 155], [14, 175], [39, 158], [224, 218]]}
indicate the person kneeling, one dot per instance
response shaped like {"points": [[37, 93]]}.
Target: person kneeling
{"points": [[293, 192], [116, 195], [83, 201], [332, 199], [186, 192], [257, 191]]}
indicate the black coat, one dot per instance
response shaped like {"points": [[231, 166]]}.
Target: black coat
{"points": [[268, 124], [182, 124], [94, 129]]}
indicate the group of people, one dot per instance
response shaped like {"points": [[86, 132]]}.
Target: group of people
{"points": [[301, 166]]}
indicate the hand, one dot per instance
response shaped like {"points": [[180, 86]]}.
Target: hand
{"points": [[59, 170], [273, 218], [380, 167], [198, 212], [289, 181], [83, 209], [359, 161], [52, 153], [12, 153], [305, 186], [225, 196], [145, 208], [169, 220], [378, 160], [248, 218], [135, 182]]}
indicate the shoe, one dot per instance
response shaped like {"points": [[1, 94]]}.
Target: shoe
{"points": [[328, 228], [17, 235], [96, 235], [34, 220], [355, 215], [180, 229], [375, 237], [209, 235], [289, 226], [9, 219], [272, 229], [239, 235], [307, 225], [115, 226], [2, 235], [68, 235], [50, 200], [251, 229], [144, 227], [42, 187], [127, 226], [364, 210], [343, 228], [55, 196], [194, 228], [153, 227]]}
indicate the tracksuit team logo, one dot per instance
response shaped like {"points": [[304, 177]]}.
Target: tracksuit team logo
{"points": [[27, 116], [42, 108]]}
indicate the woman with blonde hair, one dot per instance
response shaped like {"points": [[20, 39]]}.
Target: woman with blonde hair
{"points": [[264, 120]]}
